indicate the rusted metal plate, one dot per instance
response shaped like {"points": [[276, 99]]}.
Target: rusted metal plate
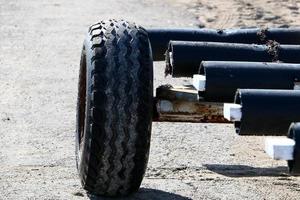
{"points": [[181, 104]]}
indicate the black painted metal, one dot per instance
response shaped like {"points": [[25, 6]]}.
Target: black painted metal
{"points": [[224, 78], [294, 133], [267, 112], [187, 56], [160, 37]]}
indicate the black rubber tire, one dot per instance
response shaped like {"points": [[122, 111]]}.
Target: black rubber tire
{"points": [[114, 108]]}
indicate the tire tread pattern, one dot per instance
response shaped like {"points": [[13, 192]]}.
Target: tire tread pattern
{"points": [[120, 109]]}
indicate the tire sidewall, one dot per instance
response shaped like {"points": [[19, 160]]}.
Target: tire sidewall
{"points": [[82, 150]]}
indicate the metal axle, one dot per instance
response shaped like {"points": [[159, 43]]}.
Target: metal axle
{"points": [[181, 104]]}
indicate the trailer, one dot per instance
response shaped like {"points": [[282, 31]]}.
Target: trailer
{"points": [[237, 73]]}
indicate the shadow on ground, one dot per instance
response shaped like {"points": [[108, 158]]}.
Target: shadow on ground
{"points": [[145, 194], [246, 171]]}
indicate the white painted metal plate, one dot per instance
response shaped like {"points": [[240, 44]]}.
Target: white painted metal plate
{"points": [[297, 86], [232, 112], [199, 82], [280, 148]]}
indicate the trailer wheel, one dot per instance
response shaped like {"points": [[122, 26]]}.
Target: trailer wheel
{"points": [[114, 108]]}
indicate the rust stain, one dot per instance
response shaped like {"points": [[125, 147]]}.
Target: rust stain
{"points": [[182, 111], [180, 104], [193, 119]]}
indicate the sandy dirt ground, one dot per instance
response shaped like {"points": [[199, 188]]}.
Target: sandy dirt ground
{"points": [[40, 44]]}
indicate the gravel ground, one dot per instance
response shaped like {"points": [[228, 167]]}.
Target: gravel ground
{"points": [[40, 44]]}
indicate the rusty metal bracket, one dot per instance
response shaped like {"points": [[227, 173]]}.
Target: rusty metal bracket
{"points": [[181, 104]]}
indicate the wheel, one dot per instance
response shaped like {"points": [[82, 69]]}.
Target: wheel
{"points": [[114, 108], [294, 133]]}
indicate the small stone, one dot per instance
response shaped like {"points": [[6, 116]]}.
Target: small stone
{"points": [[6, 119], [292, 7], [79, 194], [284, 26], [210, 19], [259, 14], [200, 23], [271, 17]]}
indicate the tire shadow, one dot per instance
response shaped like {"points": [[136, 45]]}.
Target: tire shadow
{"points": [[246, 171], [146, 194]]}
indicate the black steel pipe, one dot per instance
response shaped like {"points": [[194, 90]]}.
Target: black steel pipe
{"points": [[224, 78], [160, 38], [267, 112], [294, 133], [183, 58]]}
